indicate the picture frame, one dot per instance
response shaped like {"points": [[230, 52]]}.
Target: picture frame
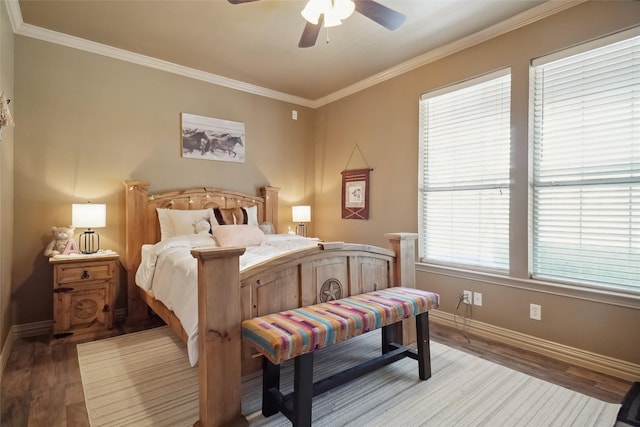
{"points": [[355, 194], [209, 138]]}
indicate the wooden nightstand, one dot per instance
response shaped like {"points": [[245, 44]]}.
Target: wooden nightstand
{"points": [[84, 294]]}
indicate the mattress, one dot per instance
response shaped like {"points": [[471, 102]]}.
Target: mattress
{"points": [[168, 269]]}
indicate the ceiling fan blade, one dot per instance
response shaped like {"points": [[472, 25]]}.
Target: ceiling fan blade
{"points": [[388, 18], [240, 1], [310, 34]]}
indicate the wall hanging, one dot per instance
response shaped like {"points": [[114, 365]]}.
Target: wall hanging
{"points": [[355, 190], [212, 139]]}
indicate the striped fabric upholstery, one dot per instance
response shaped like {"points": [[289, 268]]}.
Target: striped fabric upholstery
{"points": [[288, 334]]}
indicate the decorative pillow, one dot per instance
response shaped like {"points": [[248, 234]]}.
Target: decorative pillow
{"points": [[174, 222], [252, 215], [229, 216], [242, 235], [267, 228]]}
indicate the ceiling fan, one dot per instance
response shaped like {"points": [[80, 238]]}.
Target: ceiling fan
{"points": [[332, 12]]}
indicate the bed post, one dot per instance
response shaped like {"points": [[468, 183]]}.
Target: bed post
{"points": [[404, 246], [270, 195], [219, 332], [136, 197]]}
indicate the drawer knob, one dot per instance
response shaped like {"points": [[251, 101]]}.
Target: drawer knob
{"points": [[85, 275]]}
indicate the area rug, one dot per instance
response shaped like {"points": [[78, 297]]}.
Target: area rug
{"points": [[144, 379]]}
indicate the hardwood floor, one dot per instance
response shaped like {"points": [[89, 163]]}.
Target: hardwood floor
{"points": [[41, 384], [583, 380]]}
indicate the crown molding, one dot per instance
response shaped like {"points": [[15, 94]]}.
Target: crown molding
{"points": [[539, 12], [522, 19], [14, 13], [28, 30]]}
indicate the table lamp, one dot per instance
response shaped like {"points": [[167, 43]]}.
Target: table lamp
{"points": [[89, 215], [301, 214]]}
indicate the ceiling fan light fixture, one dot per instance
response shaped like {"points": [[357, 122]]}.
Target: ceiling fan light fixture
{"points": [[334, 11], [331, 20], [313, 10]]}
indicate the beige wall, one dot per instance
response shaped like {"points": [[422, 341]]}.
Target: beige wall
{"points": [[383, 121], [88, 122], [6, 176]]}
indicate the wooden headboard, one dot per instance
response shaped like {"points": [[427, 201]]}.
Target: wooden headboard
{"points": [[141, 217]]}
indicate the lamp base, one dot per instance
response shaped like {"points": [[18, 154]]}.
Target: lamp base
{"points": [[301, 230], [89, 242]]}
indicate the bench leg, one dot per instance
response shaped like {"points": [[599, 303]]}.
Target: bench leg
{"points": [[302, 390], [422, 342], [388, 337], [270, 379]]}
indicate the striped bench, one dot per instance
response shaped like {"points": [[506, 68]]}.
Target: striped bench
{"points": [[296, 334]]}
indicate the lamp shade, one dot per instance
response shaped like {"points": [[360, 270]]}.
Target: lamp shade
{"points": [[301, 213], [88, 215]]}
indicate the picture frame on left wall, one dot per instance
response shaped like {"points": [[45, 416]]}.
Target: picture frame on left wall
{"points": [[212, 139]]}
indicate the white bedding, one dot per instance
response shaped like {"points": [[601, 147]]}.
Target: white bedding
{"points": [[169, 270]]}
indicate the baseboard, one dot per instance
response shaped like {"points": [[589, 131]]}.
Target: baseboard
{"points": [[35, 329], [597, 362]]}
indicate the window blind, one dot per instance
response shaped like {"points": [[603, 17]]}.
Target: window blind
{"points": [[464, 176], [586, 177]]}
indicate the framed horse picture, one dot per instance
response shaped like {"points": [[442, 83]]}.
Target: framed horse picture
{"points": [[355, 194], [212, 139]]}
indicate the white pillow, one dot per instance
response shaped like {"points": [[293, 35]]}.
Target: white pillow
{"points": [[252, 215], [242, 235], [174, 222]]}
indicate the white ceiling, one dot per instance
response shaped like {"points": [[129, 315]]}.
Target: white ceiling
{"points": [[253, 46]]}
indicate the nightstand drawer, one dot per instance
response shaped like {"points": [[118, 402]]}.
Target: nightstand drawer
{"points": [[74, 273]]}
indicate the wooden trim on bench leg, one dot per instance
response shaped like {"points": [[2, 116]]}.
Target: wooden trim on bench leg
{"points": [[302, 390], [422, 342], [389, 335], [270, 380]]}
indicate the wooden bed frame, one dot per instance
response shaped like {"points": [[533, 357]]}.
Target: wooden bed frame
{"points": [[298, 279]]}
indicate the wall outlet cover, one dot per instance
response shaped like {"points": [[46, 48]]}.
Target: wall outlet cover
{"points": [[468, 297], [477, 298], [535, 311]]}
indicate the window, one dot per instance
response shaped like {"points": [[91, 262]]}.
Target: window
{"points": [[586, 176], [464, 173]]}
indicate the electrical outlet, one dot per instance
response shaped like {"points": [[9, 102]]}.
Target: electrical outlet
{"points": [[468, 297], [535, 311], [477, 298]]}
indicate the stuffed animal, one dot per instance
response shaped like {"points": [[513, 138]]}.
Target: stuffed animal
{"points": [[202, 226], [61, 235]]}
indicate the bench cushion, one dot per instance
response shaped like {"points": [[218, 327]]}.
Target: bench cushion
{"points": [[288, 334]]}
